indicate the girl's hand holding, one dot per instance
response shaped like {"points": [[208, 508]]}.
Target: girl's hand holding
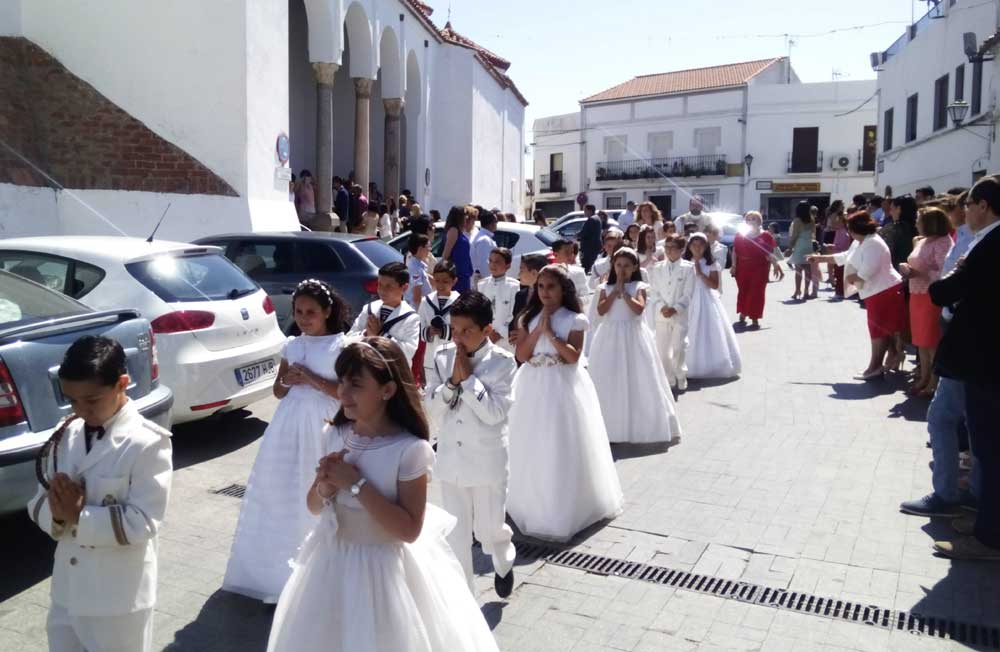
{"points": [[340, 474]]}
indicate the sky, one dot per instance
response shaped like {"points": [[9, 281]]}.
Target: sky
{"points": [[564, 50]]}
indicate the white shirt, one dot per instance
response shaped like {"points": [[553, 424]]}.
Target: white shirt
{"points": [[405, 332], [626, 218], [482, 245], [981, 235], [501, 292], [870, 259]]}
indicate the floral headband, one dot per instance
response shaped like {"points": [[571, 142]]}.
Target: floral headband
{"points": [[315, 284]]}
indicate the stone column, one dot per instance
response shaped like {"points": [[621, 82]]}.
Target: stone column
{"points": [[362, 138], [393, 133], [324, 74]]}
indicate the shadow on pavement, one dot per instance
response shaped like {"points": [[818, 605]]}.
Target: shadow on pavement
{"points": [[26, 548], [493, 612], [629, 451], [911, 409], [858, 391], [238, 622], [214, 437]]}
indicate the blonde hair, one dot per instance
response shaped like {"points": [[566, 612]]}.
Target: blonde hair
{"points": [[415, 209], [755, 214]]}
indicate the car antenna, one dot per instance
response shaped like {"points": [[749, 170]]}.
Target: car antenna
{"points": [[157, 227]]}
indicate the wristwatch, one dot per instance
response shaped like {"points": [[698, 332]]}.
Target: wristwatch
{"points": [[356, 487]]}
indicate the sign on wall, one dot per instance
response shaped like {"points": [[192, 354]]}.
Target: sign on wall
{"points": [[796, 187], [764, 185]]}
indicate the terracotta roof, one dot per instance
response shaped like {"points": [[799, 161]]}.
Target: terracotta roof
{"points": [[685, 81], [451, 36]]}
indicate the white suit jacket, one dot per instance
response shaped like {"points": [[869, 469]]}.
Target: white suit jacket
{"points": [[671, 285], [106, 564], [404, 331], [501, 292], [472, 437], [427, 314]]}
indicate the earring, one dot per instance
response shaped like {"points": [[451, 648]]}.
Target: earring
{"points": [[385, 398]]}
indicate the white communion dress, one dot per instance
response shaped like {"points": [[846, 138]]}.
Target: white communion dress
{"points": [[632, 386], [274, 519], [713, 351], [357, 588], [562, 475]]}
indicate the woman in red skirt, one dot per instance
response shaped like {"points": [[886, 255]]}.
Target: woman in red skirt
{"points": [[753, 258], [922, 268], [868, 266]]}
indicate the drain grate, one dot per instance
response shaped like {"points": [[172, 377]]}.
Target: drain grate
{"points": [[864, 614], [233, 491]]}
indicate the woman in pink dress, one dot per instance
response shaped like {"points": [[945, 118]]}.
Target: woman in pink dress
{"points": [[752, 260], [923, 267]]}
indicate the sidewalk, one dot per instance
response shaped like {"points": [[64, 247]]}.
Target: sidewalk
{"points": [[789, 477]]}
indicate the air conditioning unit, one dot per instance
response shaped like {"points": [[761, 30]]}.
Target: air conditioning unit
{"points": [[840, 162]]}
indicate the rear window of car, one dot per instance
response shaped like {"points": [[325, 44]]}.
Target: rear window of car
{"points": [[198, 277], [506, 239], [378, 252], [72, 277], [22, 300], [547, 236]]}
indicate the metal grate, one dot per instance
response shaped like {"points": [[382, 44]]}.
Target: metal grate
{"points": [[979, 635], [233, 491]]}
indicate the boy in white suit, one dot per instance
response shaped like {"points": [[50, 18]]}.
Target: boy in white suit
{"points": [[501, 290], [671, 284], [109, 473], [472, 396], [389, 315], [435, 313]]}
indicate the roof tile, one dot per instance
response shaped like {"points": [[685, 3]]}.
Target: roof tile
{"points": [[685, 81]]}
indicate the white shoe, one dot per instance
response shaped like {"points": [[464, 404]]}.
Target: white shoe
{"points": [[682, 384]]}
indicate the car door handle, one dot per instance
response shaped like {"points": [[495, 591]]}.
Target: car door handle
{"points": [[288, 290]]}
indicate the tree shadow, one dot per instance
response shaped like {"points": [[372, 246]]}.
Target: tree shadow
{"points": [[199, 441], [27, 549]]}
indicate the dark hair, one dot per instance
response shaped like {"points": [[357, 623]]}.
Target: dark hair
{"points": [[445, 266], [569, 298], [436, 214], [561, 244], [907, 208], [94, 358], [474, 305], [925, 190], [418, 240], [836, 207], [456, 219], [987, 189], [385, 361], [323, 294], [641, 246], [505, 253], [677, 239], [861, 223], [957, 190], [535, 262], [803, 211], [627, 253], [395, 271], [383, 208], [487, 219], [305, 173], [935, 222], [876, 201], [591, 208], [859, 199], [336, 179], [708, 250]]}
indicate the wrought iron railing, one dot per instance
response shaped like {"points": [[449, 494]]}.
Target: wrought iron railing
{"points": [[653, 168], [551, 182], [807, 166]]}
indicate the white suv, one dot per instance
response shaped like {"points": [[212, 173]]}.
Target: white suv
{"points": [[218, 339]]}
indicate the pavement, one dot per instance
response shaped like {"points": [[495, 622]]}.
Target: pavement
{"points": [[789, 477]]}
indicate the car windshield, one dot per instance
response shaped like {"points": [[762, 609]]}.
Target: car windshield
{"points": [[198, 277], [24, 301], [547, 236], [378, 252]]}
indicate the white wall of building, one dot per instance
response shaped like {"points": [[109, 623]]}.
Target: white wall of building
{"points": [[947, 157], [26, 210], [452, 159]]}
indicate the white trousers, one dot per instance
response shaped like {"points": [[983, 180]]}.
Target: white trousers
{"points": [[483, 511], [672, 343], [125, 633]]}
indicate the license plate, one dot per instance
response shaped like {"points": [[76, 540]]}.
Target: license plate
{"points": [[256, 372]]}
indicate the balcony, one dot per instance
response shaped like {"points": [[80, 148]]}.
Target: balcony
{"points": [[656, 168], [552, 182], [805, 164]]}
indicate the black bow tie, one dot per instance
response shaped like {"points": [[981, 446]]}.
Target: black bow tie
{"points": [[89, 432]]}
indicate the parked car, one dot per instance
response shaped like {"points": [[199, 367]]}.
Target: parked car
{"points": [[219, 341], [613, 214], [570, 229], [37, 325], [518, 237], [279, 261]]}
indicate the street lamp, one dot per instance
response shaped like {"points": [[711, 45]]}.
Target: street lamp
{"points": [[958, 110], [748, 161]]}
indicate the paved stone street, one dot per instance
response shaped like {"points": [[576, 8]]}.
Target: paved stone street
{"points": [[789, 477]]}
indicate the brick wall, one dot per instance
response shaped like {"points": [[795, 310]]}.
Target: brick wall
{"points": [[80, 138]]}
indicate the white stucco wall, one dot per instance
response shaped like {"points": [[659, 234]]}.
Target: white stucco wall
{"points": [[451, 123], [27, 211], [947, 157], [185, 79], [513, 153], [488, 124]]}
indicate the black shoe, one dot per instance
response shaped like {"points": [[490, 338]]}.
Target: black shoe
{"points": [[504, 585], [930, 505]]}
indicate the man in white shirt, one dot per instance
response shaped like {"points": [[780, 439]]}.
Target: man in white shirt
{"points": [[482, 245], [628, 217]]}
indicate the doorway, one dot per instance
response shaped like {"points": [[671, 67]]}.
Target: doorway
{"points": [[664, 203]]}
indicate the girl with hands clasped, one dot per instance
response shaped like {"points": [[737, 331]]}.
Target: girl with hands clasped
{"points": [[632, 386], [713, 351], [377, 573], [273, 520], [562, 475]]}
